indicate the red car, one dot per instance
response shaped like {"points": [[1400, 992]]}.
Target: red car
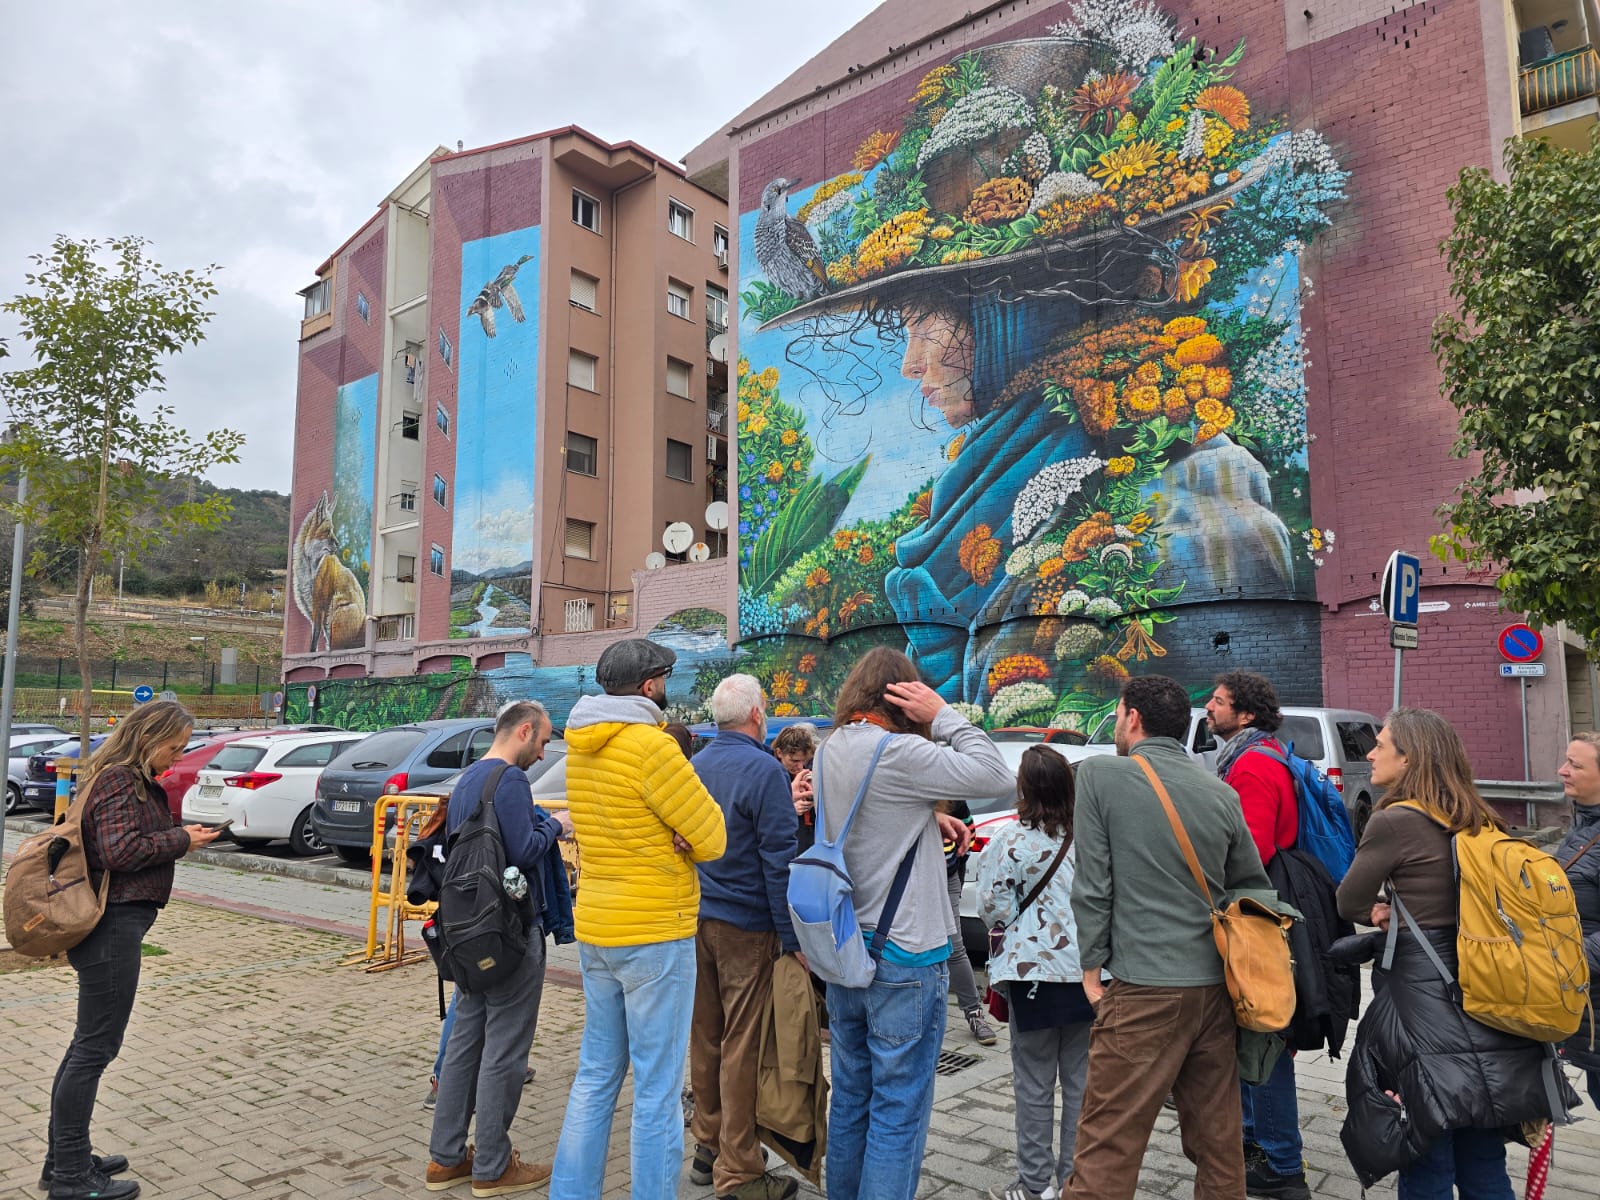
{"points": [[180, 777]]}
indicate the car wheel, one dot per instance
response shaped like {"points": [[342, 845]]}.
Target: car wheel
{"points": [[1363, 815], [354, 855], [303, 839], [976, 938], [13, 798]]}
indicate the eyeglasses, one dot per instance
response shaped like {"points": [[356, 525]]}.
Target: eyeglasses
{"points": [[667, 674]]}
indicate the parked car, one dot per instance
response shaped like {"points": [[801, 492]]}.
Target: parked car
{"points": [[204, 746], [396, 760], [265, 784], [39, 788], [36, 729], [23, 747], [706, 730]]}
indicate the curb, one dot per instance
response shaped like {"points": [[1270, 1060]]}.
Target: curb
{"points": [[287, 868]]}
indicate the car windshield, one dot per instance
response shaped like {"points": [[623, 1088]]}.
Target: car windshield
{"points": [[1306, 734], [236, 757], [380, 752]]}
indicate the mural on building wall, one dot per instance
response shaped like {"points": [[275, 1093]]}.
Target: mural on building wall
{"points": [[698, 635], [1024, 381], [497, 407], [333, 546]]}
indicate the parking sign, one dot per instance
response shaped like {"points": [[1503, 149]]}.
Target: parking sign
{"points": [[1402, 588]]}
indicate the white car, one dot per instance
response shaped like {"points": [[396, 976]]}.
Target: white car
{"points": [[23, 747], [265, 786]]}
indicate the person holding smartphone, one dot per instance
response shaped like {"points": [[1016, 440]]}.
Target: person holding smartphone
{"points": [[795, 747], [128, 832]]}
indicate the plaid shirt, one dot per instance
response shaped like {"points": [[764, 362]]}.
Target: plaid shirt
{"points": [[128, 831]]}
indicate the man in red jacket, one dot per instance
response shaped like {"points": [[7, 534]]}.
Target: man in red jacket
{"points": [[1243, 712]]}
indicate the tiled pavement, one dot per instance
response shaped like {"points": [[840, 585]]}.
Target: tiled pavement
{"points": [[256, 1065]]}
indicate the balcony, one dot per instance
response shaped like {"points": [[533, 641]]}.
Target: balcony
{"points": [[717, 421], [1560, 80]]}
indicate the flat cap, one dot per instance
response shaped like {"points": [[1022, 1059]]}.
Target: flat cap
{"points": [[628, 663]]}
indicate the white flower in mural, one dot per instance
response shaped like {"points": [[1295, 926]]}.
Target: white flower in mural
{"points": [[1048, 491], [1071, 602], [831, 207], [1011, 702], [1067, 720], [1020, 561], [1136, 29], [971, 712], [978, 115], [1194, 137], [1102, 607], [1062, 185], [1272, 404]]}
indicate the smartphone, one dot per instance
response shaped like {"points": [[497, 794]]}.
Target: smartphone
{"points": [[223, 826]]}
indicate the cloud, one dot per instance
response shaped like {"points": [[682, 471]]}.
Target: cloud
{"points": [[259, 137]]}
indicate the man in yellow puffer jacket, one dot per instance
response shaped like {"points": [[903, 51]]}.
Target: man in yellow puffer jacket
{"points": [[643, 819]]}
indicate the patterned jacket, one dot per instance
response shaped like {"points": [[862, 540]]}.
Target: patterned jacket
{"points": [[1042, 944], [128, 831]]}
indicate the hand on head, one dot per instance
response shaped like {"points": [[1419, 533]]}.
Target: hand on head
{"points": [[917, 700]]}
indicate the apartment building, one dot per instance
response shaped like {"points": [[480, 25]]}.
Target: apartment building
{"points": [[513, 378]]}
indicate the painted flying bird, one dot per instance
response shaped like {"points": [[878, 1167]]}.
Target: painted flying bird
{"points": [[784, 247], [497, 291]]}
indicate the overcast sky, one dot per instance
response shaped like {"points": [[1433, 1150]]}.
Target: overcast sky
{"points": [[259, 136]]}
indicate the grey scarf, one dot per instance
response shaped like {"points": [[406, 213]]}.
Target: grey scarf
{"points": [[1249, 736]]}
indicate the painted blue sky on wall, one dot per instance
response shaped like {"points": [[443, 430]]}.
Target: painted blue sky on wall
{"points": [[496, 427]]}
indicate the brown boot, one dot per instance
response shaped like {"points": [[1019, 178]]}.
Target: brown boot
{"points": [[442, 1179], [517, 1177], [768, 1187]]}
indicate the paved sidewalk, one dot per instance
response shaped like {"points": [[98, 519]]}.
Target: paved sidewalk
{"points": [[256, 1065]]}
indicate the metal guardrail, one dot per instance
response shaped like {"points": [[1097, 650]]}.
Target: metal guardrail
{"points": [[1561, 81], [1541, 802]]}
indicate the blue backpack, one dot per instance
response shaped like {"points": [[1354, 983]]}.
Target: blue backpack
{"points": [[821, 898], [1325, 831]]}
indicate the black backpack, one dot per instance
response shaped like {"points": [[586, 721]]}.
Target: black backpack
{"points": [[479, 935]]}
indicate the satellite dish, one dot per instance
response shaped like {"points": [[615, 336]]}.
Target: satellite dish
{"points": [[717, 515], [677, 536], [654, 561], [699, 552], [717, 348]]}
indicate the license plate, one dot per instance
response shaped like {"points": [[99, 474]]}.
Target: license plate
{"points": [[347, 806], [209, 790]]}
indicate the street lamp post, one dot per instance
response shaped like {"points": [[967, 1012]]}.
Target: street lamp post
{"points": [[8, 685]]}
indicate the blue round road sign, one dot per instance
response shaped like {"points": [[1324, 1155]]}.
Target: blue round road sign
{"points": [[1520, 643], [143, 693]]}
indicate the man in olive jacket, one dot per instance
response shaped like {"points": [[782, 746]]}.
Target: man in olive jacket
{"points": [[1164, 1023]]}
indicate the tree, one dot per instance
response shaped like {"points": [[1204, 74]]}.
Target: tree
{"points": [[1521, 363], [101, 320]]}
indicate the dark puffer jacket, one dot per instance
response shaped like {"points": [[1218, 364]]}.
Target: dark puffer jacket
{"points": [[1584, 875], [1449, 1071]]}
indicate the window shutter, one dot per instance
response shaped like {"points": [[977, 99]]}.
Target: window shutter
{"points": [[580, 539], [580, 370], [678, 374], [585, 291]]}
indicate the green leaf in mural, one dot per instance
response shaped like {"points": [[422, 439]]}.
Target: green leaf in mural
{"points": [[1169, 89], [804, 522]]}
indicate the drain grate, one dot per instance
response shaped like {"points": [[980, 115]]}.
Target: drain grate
{"points": [[950, 1062]]}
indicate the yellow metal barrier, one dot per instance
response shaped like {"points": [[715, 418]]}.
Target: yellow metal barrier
{"points": [[1552, 84], [411, 813]]}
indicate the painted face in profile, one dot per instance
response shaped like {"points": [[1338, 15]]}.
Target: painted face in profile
{"points": [[939, 356]]}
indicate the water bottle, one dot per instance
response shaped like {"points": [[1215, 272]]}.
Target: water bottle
{"points": [[515, 883]]}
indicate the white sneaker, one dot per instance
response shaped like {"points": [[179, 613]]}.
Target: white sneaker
{"points": [[1049, 1193], [1016, 1191]]}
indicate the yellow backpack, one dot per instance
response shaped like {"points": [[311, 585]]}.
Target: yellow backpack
{"points": [[1519, 942]]}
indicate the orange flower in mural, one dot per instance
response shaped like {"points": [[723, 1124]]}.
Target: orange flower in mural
{"points": [[1096, 531], [979, 554], [1110, 94], [808, 663], [1219, 382], [1193, 274], [782, 681], [864, 555], [785, 710], [1017, 668], [842, 539], [877, 147], [997, 201], [1229, 103], [1051, 567], [1203, 348], [1121, 465], [1184, 327], [922, 506], [799, 687], [1108, 670], [855, 604], [818, 577]]}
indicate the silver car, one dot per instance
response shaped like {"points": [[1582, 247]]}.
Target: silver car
{"points": [[23, 746]]}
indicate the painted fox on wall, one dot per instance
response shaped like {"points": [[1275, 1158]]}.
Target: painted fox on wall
{"points": [[325, 590]]}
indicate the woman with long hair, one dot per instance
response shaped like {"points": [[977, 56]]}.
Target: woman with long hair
{"points": [[127, 831], [886, 1036], [1025, 886], [1431, 1092]]}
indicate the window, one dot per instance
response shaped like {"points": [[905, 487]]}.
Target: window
{"points": [[582, 454], [479, 745], [678, 376], [585, 292], [1357, 738], [317, 754], [382, 751], [438, 490], [446, 350], [680, 220], [405, 568], [436, 559], [680, 461], [397, 629], [441, 420], [679, 297], [578, 616], [1306, 734], [408, 501], [363, 309], [411, 425], [446, 756], [585, 211], [719, 242], [319, 298], [580, 369], [716, 307], [580, 539]]}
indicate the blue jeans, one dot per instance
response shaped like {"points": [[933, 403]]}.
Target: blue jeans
{"points": [[638, 1001], [886, 1041], [1471, 1162], [1272, 1118], [445, 1027]]}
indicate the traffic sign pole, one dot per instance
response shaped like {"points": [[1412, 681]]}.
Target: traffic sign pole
{"points": [[1402, 596], [1522, 683]]}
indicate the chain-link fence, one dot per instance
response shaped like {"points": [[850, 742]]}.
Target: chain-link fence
{"points": [[185, 678]]}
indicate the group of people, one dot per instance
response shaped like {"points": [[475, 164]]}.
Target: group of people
{"points": [[1102, 947]]}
